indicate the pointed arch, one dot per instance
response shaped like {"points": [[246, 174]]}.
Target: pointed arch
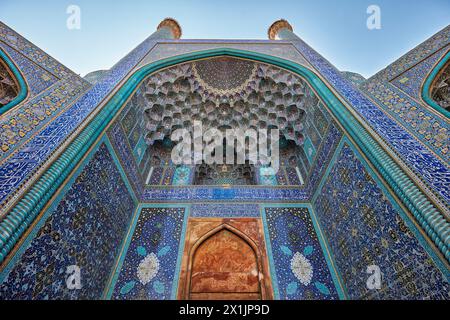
{"points": [[21, 90], [430, 84], [422, 207], [252, 269]]}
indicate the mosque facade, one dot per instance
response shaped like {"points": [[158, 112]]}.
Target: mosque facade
{"points": [[94, 206]]}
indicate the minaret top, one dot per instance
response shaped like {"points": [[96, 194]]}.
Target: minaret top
{"points": [[173, 25], [276, 27]]}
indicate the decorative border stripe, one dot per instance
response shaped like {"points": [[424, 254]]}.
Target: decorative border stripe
{"points": [[337, 278]]}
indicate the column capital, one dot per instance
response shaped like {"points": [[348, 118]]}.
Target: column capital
{"points": [[276, 27], [173, 25]]}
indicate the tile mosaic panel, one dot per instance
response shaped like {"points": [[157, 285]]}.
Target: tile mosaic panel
{"points": [[280, 177], [224, 210], [182, 176], [200, 194], [429, 128], [156, 176], [300, 268], [128, 139], [148, 271], [118, 140], [19, 167], [329, 145], [85, 227], [364, 227], [48, 96], [401, 99], [38, 79], [412, 79]]}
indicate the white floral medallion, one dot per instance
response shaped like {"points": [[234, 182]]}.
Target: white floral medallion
{"points": [[148, 268], [302, 268]]}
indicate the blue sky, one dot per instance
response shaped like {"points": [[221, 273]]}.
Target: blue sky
{"points": [[335, 28]]}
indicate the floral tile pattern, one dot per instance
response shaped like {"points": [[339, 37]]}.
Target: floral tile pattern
{"points": [[412, 79], [48, 95], [364, 228], [300, 267], [38, 79], [401, 98], [422, 161], [85, 228], [148, 270]]}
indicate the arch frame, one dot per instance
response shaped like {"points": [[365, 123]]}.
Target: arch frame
{"points": [[23, 88], [238, 233], [426, 88], [24, 211]]}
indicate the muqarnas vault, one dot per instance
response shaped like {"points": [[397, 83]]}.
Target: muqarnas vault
{"points": [[88, 187]]}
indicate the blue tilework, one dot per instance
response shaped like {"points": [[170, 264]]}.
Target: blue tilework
{"points": [[122, 149], [154, 248], [226, 210], [14, 171], [422, 161], [85, 228], [411, 80], [182, 176], [198, 194], [323, 157], [300, 268], [48, 96], [38, 79], [401, 99]]}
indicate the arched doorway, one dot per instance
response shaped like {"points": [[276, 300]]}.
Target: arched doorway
{"points": [[224, 260], [13, 88]]}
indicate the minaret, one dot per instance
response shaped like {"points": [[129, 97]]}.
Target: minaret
{"points": [[281, 30], [169, 28]]}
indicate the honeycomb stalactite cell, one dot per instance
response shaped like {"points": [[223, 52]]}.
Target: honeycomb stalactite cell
{"points": [[225, 93]]}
